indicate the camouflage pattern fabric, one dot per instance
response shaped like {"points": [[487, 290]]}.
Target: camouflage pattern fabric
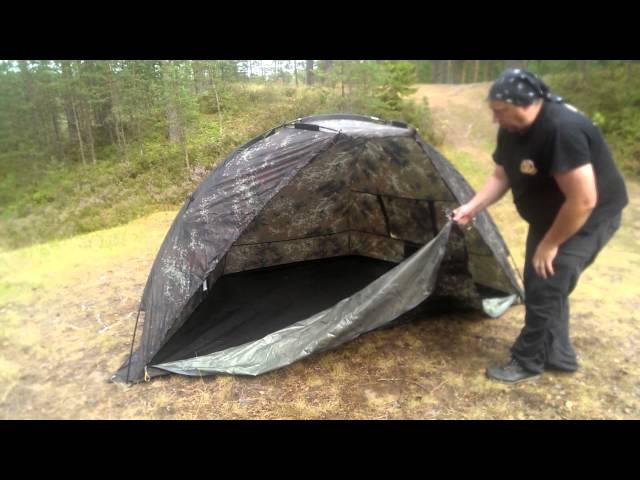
{"points": [[353, 187]]}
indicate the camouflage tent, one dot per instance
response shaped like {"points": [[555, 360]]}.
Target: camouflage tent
{"points": [[306, 237]]}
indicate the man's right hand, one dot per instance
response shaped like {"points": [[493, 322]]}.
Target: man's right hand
{"points": [[495, 187], [463, 214]]}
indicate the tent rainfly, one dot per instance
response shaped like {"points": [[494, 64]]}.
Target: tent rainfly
{"points": [[306, 237]]}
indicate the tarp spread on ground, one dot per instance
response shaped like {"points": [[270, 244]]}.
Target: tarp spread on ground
{"points": [[306, 237]]}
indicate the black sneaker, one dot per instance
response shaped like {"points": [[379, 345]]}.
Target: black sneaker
{"points": [[511, 373]]}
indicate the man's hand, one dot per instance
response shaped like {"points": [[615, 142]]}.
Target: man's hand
{"points": [[581, 197], [496, 186], [543, 259], [463, 214]]}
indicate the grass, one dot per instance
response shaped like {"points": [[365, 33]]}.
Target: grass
{"points": [[473, 171], [26, 272], [431, 368]]}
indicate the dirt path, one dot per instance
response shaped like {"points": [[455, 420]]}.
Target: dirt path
{"points": [[462, 117], [67, 310]]}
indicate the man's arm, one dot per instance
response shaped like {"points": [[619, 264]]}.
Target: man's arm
{"points": [[581, 196], [495, 187]]}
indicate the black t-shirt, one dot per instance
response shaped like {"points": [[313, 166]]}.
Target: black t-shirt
{"points": [[560, 139]]}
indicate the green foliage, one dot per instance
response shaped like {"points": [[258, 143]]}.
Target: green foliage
{"points": [[59, 199], [611, 97], [397, 78], [46, 192], [419, 115]]}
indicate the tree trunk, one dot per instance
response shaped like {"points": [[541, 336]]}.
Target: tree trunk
{"points": [[495, 67], [439, 72], [119, 130], [113, 136], [476, 70], [56, 129], [173, 120], [101, 106], [210, 75], [464, 72], [92, 145], [36, 129], [456, 71], [186, 149], [77, 124], [218, 107], [197, 74], [295, 71], [124, 144], [88, 127], [45, 130], [325, 67], [68, 110], [449, 71], [309, 72], [136, 115]]}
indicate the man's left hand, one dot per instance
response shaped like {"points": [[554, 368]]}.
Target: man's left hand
{"points": [[543, 259]]}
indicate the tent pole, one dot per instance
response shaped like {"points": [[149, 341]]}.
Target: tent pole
{"points": [[132, 342], [515, 267]]}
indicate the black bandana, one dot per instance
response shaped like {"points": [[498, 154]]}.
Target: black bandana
{"points": [[521, 88]]}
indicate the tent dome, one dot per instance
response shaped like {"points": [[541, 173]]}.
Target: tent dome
{"points": [[307, 236]]}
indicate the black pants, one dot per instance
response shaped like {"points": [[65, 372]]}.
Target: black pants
{"points": [[544, 341]]}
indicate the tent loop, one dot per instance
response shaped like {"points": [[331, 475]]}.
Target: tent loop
{"points": [[448, 213], [309, 126], [147, 378]]}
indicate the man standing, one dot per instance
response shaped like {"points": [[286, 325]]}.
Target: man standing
{"points": [[566, 186]]}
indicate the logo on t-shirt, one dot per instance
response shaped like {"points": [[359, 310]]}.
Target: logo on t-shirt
{"points": [[528, 167]]}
